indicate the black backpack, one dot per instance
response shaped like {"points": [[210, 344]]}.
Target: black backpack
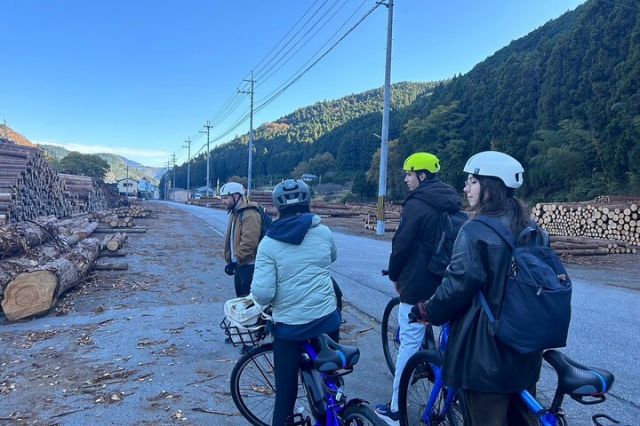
{"points": [[536, 305], [265, 219], [450, 224]]}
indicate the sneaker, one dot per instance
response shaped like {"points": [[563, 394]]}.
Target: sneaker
{"points": [[383, 411]]}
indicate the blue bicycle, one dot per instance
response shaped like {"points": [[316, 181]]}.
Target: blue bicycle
{"points": [[423, 398], [322, 367]]}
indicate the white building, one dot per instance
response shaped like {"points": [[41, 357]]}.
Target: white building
{"points": [[128, 187], [147, 190]]}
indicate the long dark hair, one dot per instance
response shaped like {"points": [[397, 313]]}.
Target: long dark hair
{"points": [[496, 200]]}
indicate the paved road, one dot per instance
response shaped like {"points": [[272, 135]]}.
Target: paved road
{"points": [[604, 329]]}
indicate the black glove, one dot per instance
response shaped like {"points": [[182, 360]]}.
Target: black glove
{"points": [[414, 315], [230, 269]]}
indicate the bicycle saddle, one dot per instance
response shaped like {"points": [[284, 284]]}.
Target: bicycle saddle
{"points": [[333, 356], [575, 379]]}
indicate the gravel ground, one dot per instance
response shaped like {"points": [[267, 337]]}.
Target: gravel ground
{"points": [[142, 346]]}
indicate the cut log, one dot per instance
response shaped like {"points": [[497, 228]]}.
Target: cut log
{"points": [[114, 242], [36, 291], [19, 237], [30, 293]]}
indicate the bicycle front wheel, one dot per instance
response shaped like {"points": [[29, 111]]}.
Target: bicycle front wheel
{"points": [[360, 415], [253, 387], [416, 387], [391, 333]]}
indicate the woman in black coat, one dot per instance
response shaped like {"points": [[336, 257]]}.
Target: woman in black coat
{"points": [[488, 374]]}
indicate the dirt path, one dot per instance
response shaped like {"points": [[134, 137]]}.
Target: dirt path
{"points": [[142, 346]]}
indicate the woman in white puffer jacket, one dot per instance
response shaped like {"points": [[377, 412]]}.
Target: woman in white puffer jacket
{"points": [[292, 274]]}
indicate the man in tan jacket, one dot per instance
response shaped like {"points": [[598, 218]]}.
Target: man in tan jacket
{"points": [[243, 236]]}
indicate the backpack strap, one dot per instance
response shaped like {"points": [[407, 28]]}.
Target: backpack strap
{"points": [[499, 228], [506, 235]]}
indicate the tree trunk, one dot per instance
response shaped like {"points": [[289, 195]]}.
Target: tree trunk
{"points": [[35, 292]]}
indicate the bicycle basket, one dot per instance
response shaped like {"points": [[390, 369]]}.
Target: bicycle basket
{"points": [[243, 335], [244, 321]]}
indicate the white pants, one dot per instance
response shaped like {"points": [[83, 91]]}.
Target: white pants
{"points": [[411, 337]]}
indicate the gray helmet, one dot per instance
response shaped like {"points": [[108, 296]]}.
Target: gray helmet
{"points": [[291, 193]]}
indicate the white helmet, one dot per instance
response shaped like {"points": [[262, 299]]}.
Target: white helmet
{"points": [[496, 164], [230, 188]]}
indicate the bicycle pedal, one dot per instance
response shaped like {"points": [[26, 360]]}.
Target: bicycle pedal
{"points": [[298, 420]]}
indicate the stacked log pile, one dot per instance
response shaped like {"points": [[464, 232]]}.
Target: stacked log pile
{"points": [[120, 217], [39, 262], [84, 193], [391, 220], [29, 187], [591, 227]]}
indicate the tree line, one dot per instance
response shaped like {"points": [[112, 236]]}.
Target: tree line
{"points": [[564, 100]]}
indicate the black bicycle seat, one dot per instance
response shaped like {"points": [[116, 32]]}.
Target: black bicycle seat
{"points": [[333, 356], [575, 379]]}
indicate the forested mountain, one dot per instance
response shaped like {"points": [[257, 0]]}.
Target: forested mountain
{"points": [[564, 100], [117, 164], [344, 128]]}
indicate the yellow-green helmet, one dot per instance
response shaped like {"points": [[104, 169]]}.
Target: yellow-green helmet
{"points": [[422, 161]]}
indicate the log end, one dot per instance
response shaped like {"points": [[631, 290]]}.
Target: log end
{"points": [[29, 294]]}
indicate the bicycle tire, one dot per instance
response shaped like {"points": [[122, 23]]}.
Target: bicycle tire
{"points": [[416, 385], [360, 415], [390, 338], [253, 386]]}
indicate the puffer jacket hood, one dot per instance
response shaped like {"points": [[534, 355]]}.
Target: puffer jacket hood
{"points": [[292, 230]]}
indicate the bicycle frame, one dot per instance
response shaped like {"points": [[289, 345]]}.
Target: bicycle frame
{"points": [[328, 387], [545, 417], [439, 385]]}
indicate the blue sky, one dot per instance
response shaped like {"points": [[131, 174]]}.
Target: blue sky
{"points": [[137, 78]]}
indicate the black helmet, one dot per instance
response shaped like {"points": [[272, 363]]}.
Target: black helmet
{"points": [[291, 193]]}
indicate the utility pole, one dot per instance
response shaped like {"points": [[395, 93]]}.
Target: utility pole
{"points": [[166, 182], [384, 139], [126, 183], [207, 126], [188, 142], [250, 167], [173, 160]]}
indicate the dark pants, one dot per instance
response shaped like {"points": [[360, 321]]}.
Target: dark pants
{"points": [[286, 360], [242, 278], [494, 409]]}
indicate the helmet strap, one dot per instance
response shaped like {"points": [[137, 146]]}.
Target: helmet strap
{"points": [[235, 202]]}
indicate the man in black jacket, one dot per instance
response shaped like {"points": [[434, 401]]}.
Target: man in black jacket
{"points": [[411, 249]]}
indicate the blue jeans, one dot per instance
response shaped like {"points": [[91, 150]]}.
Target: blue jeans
{"points": [[411, 337], [242, 278]]}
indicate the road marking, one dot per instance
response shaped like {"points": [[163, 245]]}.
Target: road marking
{"points": [[216, 231]]}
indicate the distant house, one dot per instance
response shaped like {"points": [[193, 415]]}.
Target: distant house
{"points": [[128, 187], [202, 192], [178, 195], [147, 190]]}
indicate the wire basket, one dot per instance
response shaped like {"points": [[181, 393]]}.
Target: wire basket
{"points": [[250, 335]]}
